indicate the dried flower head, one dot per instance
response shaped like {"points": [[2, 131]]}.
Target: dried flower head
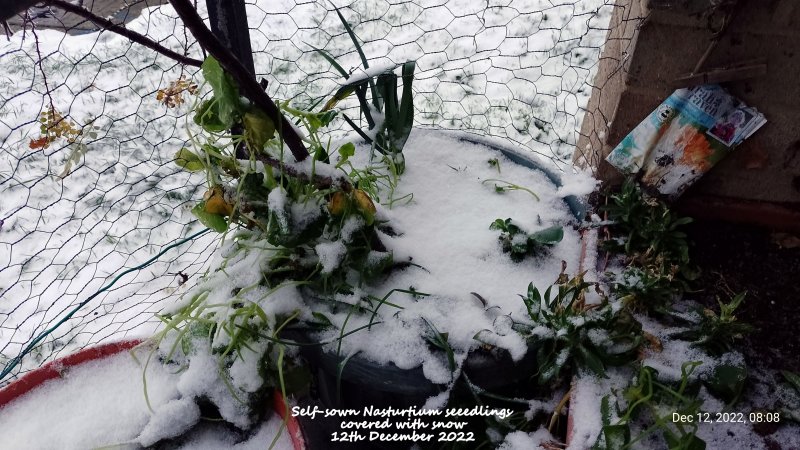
{"points": [[54, 125], [172, 96]]}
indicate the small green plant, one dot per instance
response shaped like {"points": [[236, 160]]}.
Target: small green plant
{"points": [[650, 400], [390, 133], [657, 266], [494, 162], [502, 186], [520, 244], [568, 332], [717, 333], [647, 226], [651, 287], [287, 224]]}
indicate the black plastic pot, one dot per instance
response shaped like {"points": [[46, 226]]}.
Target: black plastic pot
{"points": [[358, 382]]}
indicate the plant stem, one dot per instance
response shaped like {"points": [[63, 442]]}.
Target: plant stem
{"points": [[122, 31], [250, 88], [321, 182]]}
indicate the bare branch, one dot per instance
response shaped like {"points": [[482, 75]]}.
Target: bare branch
{"points": [[119, 29], [319, 181], [247, 83]]}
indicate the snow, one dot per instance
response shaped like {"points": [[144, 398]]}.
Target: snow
{"points": [[101, 403], [519, 440], [760, 395], [96, 404], [584, 409], [203, 379], [445, 229], [360, 74], [126, 200], [330, 255], [170, 420]]}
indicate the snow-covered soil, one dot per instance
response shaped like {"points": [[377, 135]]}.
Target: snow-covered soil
{"points": [[445, 229]]}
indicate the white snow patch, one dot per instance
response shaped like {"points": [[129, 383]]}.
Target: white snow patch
{"points": [[96, 404], [519, 440], [330, 255], [170, 420]]}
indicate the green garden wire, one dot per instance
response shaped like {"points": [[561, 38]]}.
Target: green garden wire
{"points": [[14, 362]]}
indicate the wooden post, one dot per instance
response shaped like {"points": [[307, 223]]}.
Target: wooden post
{"points": [[228, 20], [229, 24]]}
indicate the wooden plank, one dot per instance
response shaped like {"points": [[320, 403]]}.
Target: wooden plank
{"points": [[715, 76], [776, 216]]}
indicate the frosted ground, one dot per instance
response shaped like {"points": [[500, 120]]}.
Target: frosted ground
{"points": [[514, 69]]}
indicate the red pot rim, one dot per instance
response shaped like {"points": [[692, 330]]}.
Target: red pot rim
{"points": [[55, 369]]}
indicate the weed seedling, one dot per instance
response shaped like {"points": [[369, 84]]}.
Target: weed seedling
{"points": [[519, 244]]}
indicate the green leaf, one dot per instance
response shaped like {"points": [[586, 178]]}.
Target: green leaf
{"points": [[322, 319], [387, 89], [258, 129], [548, 236], [727, 381], [360, 51], [186, 159], [328, 57], [684, 442], [405, 119], [792, 378], [591, 361], [341, 94], [207, 116], [605, 410], [617, 436], [498, 224], [279, 230], [327, 117], [255, 194], [353, 38], [225, 90], [214, 221], [346, 151]]}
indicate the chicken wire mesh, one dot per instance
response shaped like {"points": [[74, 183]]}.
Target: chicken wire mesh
{"points": [[104, 196]]}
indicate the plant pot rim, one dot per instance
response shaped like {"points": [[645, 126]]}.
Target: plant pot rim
{"points": [[56, 369], [577, 206], [482, 364]]}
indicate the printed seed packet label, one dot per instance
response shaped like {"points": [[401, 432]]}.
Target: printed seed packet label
{"points": [[684, 138]]}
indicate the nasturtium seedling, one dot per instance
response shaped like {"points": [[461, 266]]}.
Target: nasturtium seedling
{"points": [[186, 159], [215, 222], [258, 129], [345, 152], [226, 93]]}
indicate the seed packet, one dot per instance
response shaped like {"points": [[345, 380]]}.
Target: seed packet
{"points": [[684, 138]]}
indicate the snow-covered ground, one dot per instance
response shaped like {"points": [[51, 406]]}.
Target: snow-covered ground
{"points": [[513, 69]]}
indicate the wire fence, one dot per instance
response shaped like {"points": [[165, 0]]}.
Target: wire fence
{"points": [[103, 196]]}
